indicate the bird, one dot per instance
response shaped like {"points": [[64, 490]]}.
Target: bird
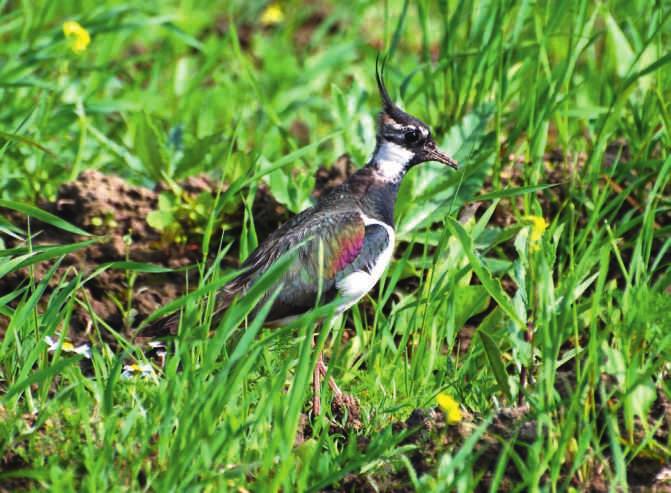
{"points": [[343, 244]]}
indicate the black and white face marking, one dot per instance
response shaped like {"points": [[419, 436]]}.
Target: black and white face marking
{"points": [[392, 161], [410, 136], [399, 145], [402, 140]]}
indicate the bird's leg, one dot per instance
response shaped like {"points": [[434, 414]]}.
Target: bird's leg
{"points": [[323, 370], [347, 401], [320, 372]]}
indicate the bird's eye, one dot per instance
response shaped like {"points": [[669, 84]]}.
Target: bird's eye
{"points": [[412, 136]]}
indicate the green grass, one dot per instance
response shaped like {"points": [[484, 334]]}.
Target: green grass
{"points": [[167, 90]]}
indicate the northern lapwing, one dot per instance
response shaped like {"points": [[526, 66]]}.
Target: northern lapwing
{"points": [[343, 244]]}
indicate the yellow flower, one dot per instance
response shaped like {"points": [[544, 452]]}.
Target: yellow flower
{"points": [[78, 37], [272, 15], [538, 227], [450, 407]]}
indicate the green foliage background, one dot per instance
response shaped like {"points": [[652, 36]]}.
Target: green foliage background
{"points": [[167, 90]]}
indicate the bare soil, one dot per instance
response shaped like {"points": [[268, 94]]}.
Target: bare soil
{"points": [[108, 206]]}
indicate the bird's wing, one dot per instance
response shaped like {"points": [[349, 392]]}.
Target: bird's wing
{"points": [[335, 243], [324, 244]]}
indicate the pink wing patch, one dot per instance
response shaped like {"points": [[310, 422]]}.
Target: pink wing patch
{"points": [[348, 247]]}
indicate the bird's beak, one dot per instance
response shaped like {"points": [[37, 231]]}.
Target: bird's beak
{"points": [[432, 153]]}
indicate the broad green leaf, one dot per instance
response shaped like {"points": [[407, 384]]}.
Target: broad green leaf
{"points": [[193, 159], [492, 285], [620, 49], [492, 351], [469, 301], [160, 220], [147, 146]]}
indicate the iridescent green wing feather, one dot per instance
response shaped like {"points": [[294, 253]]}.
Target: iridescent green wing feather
{"points": [[324, 244]]}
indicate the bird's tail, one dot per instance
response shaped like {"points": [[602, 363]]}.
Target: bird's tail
{"points": [[168, 326]]}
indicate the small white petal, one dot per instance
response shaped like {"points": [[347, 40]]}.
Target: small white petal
{"points": [[84, 350]]}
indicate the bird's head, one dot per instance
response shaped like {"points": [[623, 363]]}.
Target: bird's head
{"points": [[402, 140]]}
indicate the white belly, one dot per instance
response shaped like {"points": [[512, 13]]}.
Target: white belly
{"points": [[355, 285]]}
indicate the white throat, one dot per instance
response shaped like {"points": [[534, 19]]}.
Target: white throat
{"points": [[391, 161]]}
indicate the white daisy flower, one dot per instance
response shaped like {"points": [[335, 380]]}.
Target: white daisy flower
{"points": [[67, 347], [142, 370]]}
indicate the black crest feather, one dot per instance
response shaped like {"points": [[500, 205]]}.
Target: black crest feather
{"points": [[379, 75], [388, 106]]}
